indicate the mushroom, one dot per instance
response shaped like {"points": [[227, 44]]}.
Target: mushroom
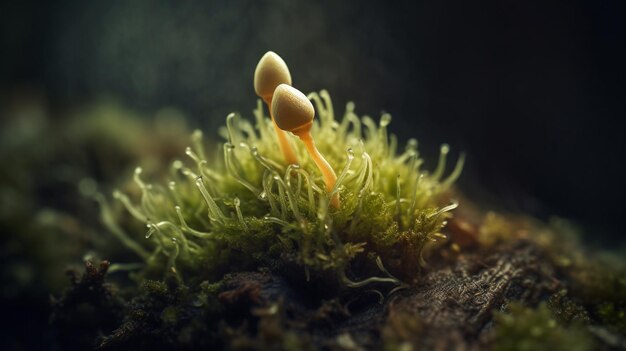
{"points": [[293, 112], [269, 73]]}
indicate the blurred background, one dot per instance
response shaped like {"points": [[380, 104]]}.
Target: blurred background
{"points": [[532, 91]]}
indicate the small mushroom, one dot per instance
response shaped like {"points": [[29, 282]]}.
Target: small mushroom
{"points": [[269, 73], [293, 112]]}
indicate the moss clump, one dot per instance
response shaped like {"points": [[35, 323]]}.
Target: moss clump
{"points": [[90, 307], [522, 328], [168, 315], [242, 206], [614, 315], [601, 284]]}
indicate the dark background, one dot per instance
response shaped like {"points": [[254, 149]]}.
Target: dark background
{"points": [[533, 91]]}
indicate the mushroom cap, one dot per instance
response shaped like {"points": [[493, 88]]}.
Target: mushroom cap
{"points": [[269, 73], [291, 109]]}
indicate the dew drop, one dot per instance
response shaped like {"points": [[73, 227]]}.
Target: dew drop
{"points": [[385, 119], [445, 148], [350, 106]]}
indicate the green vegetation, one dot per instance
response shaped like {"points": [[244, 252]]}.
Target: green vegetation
{"points": [[523, 328], [240, 206]]}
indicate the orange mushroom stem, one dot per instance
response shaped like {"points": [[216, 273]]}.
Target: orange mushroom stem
{"points": [[294, 112]]}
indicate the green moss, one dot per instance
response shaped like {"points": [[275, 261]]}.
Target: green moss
{"points": [[154, 288], [597, 280], [600, 279], [168, 315], [522, 328], [613, 315], [241, 206]]}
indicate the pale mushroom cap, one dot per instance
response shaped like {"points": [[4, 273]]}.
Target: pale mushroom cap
{"points": [[269, 73], [291, 109]]}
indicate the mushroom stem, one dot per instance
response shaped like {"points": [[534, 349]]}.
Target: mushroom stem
{"points": [[294, 112], [285, 147], [330, 178]]}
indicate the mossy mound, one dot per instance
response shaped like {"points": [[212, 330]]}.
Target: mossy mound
{"points": [[240, 206]]}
